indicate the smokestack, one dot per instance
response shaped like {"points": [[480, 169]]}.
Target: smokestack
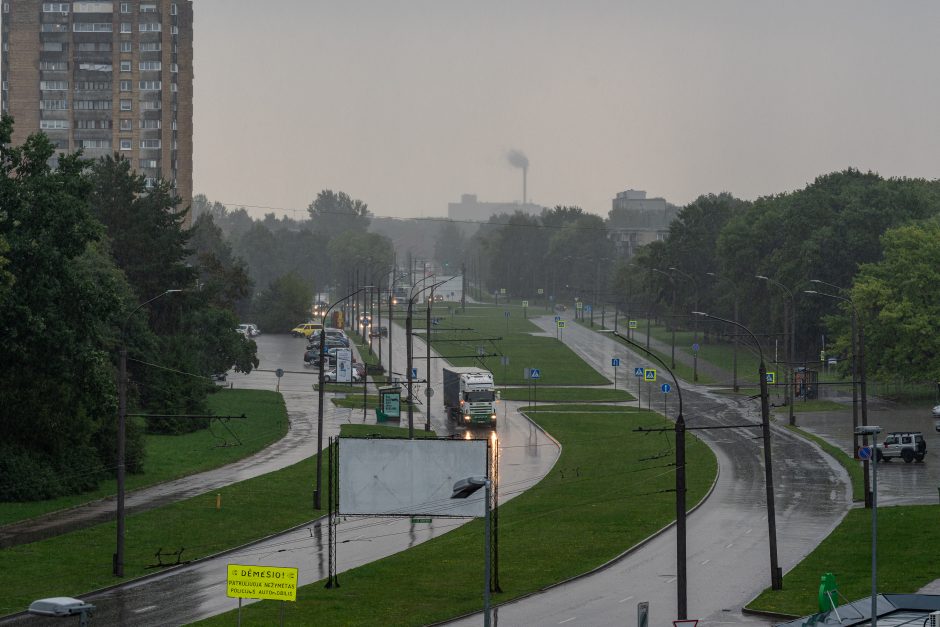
{"points": [[517, 159]]}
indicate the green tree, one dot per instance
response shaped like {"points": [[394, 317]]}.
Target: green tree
{"points": [[283, 304], [334, 213], [57, 401], [897, 306]]}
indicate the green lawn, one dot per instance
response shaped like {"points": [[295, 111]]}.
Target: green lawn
{"points": [[566, 395], [903, 563], [610, 489], [173, 456], [511, 337]]}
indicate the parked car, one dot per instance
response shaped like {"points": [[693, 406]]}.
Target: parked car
{"points": [[907, 445], [936, 411], [248, 329], [306, 329], [330, 376], [379, 332]]}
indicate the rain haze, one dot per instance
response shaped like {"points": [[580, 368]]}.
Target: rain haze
{"points": [[409, 104]]}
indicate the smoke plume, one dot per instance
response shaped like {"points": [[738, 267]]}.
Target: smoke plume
{"points": [[517, 159]]}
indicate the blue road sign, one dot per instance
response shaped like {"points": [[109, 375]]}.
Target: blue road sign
{"points": [[506, 314], [414, 373], [534, 373], [638, 372], [615, 362], [650, 374], [695, 347], [557, 318], [864, 452], [771, 378], [588, 309], [665, 387]]}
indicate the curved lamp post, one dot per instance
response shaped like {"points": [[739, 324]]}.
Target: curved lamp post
{"points": [[672, 280], [118, 566], [858, 378], [681, 576], [409, 353], [427, 344], [320, 391], [776, 576], [694, 320], [789, 313]]}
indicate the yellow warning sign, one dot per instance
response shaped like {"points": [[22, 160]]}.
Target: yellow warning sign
{"points": [[261, 582]]}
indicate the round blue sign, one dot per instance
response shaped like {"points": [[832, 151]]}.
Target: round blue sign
{"points": [[864, 452], [695, 347], [665, 387]]}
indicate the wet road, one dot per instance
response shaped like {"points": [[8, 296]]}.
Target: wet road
{"points": [[728, 557], [898, 483], [198, 590]]}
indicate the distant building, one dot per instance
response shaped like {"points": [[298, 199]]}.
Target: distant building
{"points": [[635, 220], [469, 208], [104, 77]]}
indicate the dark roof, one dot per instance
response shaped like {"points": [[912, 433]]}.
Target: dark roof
{"points": [[893, 610]]}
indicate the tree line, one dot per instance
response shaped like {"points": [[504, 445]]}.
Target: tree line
{"points": [[82, 244]]}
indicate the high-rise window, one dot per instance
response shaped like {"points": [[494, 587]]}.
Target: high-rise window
{"points": [[150, 66], [125, 144], [150, 27], [49, 125], [126, 105], [150, 144], [92, 27], [55, 7], [150, 85], [53, 85]]}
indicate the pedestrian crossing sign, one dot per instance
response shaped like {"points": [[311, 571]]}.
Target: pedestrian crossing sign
{"points": [[771, 378], [638, 372], [649, 374]]}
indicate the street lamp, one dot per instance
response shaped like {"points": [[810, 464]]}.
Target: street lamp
{"points": [[427, 342], [734, 340], [789, 349], [672, 280], [776, 576], [320, 391], [681, 576], [873, 431], [858, 377], [118, 566], [694, 321], [463, 489]]}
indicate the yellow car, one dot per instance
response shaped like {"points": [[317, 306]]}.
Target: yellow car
{"points": [[306, 329]]}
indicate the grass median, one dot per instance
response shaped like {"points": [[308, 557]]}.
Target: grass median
{"points": [[566, 395], [173, 456], [610, 488], [904, 566], [459, 337]]}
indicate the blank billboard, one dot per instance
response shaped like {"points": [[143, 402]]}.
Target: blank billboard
{"points": [[398, 477]]}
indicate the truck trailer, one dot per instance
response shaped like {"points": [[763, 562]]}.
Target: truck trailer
{"points": [[470, 395]]}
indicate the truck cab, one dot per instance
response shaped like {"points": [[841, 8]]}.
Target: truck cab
{"points": [[470, 395]]}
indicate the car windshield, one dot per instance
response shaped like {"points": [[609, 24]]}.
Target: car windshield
{"points": [[481, 396]]}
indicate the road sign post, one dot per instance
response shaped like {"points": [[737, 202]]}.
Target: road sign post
{"points": [[665, 387], [639, 373], [615, 362]]}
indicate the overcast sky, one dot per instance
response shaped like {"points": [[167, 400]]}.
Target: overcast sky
{"points": [[408, 104]]}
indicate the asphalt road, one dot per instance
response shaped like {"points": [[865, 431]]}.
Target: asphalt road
{"points": [[728, 556], [186, 594]]}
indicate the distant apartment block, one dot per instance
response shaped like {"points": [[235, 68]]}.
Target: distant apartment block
{"points": [[635, 220], [104, 77], [469, 208]]}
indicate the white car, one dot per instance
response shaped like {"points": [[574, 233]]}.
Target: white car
{"points": [[248, 329], [330, 376], [936, 412]]}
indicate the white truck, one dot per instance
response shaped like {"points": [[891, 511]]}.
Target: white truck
{"points": [[469, 395]]}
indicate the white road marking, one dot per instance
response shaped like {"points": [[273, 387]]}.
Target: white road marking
{"points": [[748, 531], [671, 580], [705, 562], [145, 609], [567, 620], [729, 545], [624, 600]]}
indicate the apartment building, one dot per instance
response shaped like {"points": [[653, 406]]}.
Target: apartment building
{"points": [[104, 77]]}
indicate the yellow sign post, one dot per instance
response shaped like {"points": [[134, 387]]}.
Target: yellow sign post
{"points": [[261, 582]]}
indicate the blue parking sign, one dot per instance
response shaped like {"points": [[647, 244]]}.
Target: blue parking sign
{"points": [[615, 362]]}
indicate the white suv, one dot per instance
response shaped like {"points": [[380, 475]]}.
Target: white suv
{"points": [[908, 445]]}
